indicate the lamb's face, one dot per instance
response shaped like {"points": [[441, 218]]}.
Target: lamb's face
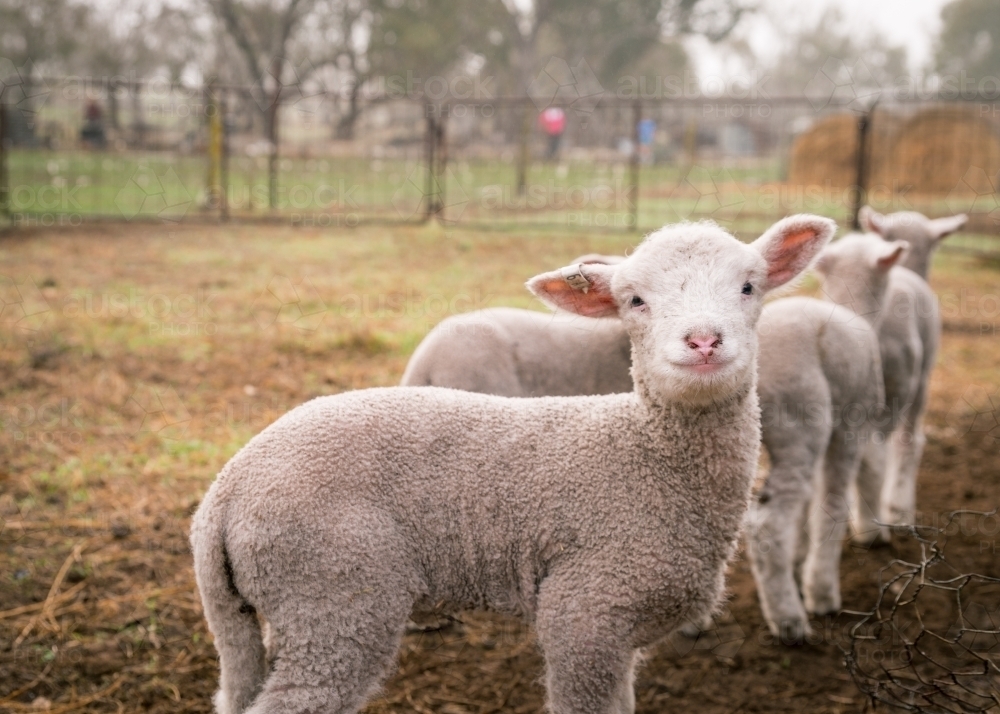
{"points": [[855, 272], [922, 234], [690, 297]]}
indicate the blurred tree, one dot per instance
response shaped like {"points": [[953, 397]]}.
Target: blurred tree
{"points": [[512, 42], [43, 34], [130, 41], [36, 37], [286, 44], [609, 35], [832, 56], [970, 38]]}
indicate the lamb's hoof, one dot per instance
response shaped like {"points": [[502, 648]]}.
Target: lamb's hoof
{"points": [[901, 517], [826, 604], [791, 632], [874, 538]]}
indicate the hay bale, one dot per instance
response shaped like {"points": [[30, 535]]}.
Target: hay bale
{"points": [[826, 153], [934, 149]]}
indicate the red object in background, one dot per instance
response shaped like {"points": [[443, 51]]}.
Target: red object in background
{"points": [[93, 111], [553, 121]]}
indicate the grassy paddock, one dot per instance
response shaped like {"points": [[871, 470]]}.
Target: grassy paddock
{"points": [[62, 188], [134, 361]]}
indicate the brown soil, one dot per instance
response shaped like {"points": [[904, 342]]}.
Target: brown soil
{"points": [[98, 610]]}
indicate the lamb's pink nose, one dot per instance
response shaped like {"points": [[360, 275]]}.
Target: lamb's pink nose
{"points": [[704, 344]]}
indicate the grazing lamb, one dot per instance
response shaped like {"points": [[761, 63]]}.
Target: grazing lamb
{"points": [[523, 353], [922, 233], [820, 386], [860, 272], [606, 520]]}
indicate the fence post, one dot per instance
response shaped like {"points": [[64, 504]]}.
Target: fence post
{"points": [[213, 183], [4, 155], [223, 159], [217, 169], [275, 70], [429, 147], [524, 150], [440, 163], [861, 178], [633, 189]]}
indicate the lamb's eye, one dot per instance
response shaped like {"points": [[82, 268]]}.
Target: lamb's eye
{"points": [[637, 301], [747, 288]]}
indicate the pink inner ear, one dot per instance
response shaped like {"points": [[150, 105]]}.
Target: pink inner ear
{"points": [[887, 261], [788, 261], [596, 302]]}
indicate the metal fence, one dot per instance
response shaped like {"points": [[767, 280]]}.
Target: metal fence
{"points": [[71, 150]]}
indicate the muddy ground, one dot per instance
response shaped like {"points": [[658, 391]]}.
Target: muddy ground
{"points": [[135, 360]]}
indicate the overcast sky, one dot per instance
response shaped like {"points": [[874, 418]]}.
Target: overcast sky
{"points": [[913, 23]]}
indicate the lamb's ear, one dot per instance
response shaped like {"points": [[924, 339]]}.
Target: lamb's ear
{"points": [[584, 289], [941, 227], [872, 221], [889, 254], [599, 258], [790, 245]]}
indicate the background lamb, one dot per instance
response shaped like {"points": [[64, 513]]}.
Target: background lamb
{"points": [[820, 384], [861, 271], [524, 353], [345, 513], [923, 234]]}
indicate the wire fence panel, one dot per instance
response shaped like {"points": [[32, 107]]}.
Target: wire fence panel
{"points": [[157, 150], [931, 643], [136, 151]]}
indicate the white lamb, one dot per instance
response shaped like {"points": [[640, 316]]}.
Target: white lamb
{"points": [[923, 234], [606, 520], [819, 381], [820, 386], [523, 353], [861, 272]]}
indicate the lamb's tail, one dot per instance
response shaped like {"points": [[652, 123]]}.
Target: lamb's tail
{"points": [[231, 619]]}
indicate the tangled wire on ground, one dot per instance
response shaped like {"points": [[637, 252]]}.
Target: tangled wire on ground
{"points": [[932, 641]]}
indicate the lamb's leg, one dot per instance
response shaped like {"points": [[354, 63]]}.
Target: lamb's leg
{"points": [[868, 503], [829, 515], [900, 494], [336, 615], [772, 536], [590, 669]]}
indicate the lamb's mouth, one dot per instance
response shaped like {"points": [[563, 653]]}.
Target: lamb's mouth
{"points": [[707, 367]]}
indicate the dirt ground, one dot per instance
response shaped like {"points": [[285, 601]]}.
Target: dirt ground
{"points": [[134, 360]]}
